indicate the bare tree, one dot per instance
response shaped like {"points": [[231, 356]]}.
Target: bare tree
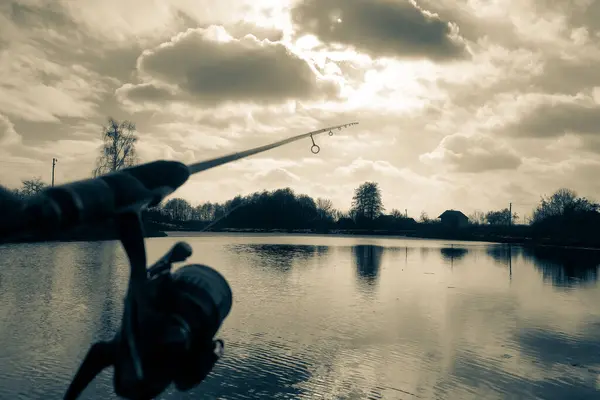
{"points": [[325, 209], [477, 218], [424, 217], [179, 209], [32, 187], [561, 202], [396, 213], [118, 151], [501, 217], [339, 214]]}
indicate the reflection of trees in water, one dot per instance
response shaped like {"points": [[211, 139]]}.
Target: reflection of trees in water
{"points": [[399, 254], [453, 254], [549, 348], [500, 253], [425, 251], [473, 371], [93, 266], [368, 263], [58, 298], [25, 274], [112, 305], [564, 267], [280, 257]]}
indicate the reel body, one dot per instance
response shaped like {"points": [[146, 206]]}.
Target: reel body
{"points": [[169, 321]]}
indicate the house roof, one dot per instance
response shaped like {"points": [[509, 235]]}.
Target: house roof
{"points": [[453, 214]]}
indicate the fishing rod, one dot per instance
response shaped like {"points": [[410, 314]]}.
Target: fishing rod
{"points": [[170, 318]]}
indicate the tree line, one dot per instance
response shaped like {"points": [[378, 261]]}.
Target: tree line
{"points": [[562, 215], [284, 209]]}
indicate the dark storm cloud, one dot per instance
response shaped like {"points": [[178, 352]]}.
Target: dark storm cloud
{"points": [[380, 28], [551, 120], [211, 71]]}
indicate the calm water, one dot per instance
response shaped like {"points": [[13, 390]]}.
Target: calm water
{"points": [[326, 317]]}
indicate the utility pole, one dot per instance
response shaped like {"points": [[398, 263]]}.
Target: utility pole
{"points": [[54, 160], [510, 214], [406, 213]]}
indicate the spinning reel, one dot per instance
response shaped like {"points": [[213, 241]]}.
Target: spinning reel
{"points": [[169, 321]]}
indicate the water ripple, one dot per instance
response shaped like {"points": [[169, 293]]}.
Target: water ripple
{"points": [[325, 318]]}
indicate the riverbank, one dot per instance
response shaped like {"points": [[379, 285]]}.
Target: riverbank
{"points": [[462, 235], [153, 230]]}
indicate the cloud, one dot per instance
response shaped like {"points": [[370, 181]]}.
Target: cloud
{"points": [[8, 135], [361, 169], [473, 154], [190, 137], [581, 13], [380, 28], [37, 89], [209, 67], [44, 74], [275, 178], [551, 119], [242, 28], [261, 165]]}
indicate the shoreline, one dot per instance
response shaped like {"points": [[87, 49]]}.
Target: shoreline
{"points": [[457, 236], [161, 232]]}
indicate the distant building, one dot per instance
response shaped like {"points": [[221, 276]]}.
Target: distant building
{"points": [[454, 219]]}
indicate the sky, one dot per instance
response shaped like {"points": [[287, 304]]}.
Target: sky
{"points": [[462, 104]]}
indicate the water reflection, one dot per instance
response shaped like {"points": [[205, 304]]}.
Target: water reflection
{"points": [[56, 299], [565, 267], [300, 326], [278, 257], [263, 370], [453, 254], [368, 262], [425, 252], [502, 253]]}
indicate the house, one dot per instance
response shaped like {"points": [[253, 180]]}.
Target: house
{"points": [[454, 219]]}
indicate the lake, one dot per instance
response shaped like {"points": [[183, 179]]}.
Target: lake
{"points": [[326, 317]]}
